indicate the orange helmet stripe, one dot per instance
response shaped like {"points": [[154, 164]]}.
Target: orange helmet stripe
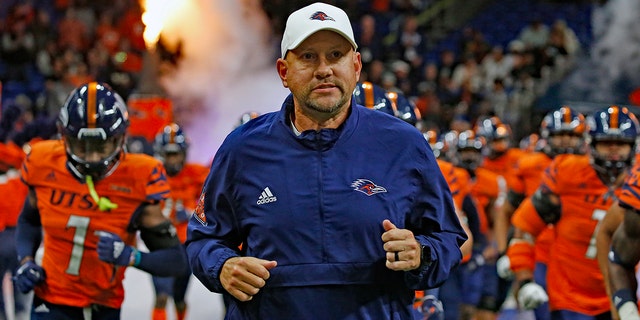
{"points": [[393, 97], [172, 134], [566, 115], [92, 87], [614, 117], [368, 94]]}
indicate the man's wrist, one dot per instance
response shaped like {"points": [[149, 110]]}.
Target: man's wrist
{"points": [[622, 296], [26, 259]]}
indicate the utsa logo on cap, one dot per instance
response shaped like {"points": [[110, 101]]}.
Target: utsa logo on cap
{"points": [[308, 20], [319, 15]]}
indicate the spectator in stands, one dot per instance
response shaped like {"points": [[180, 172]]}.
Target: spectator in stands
{"points": [[410, 44], [370, 44], [467, 73], [496, 65], [73, 33], [18, 48], [535, 35]]}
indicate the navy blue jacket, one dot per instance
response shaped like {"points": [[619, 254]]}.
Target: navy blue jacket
{"points": [[315, 203]]}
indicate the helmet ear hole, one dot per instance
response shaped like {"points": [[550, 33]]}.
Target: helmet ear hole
{"points": [[93, 123]]}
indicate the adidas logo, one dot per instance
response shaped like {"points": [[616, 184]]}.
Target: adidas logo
{"points": [[266, 197], [41, 309], [51, 176]]}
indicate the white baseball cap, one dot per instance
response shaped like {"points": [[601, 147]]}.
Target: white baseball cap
{"points": [[315, 17]]}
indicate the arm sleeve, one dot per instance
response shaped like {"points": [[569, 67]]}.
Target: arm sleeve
{"points": [[28, 231], [211, 232], [469, 207], [436, 225], [164, 245], [155, 262]]}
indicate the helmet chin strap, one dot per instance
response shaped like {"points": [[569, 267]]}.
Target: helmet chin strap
{"points": [[104, 203]]}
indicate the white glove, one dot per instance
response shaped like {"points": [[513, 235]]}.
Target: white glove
{"points": [[628, 311], [503, 266], [531, 295]]}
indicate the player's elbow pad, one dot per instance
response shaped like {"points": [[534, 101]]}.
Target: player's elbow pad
{"points": [[548, 211], [160, 237]]}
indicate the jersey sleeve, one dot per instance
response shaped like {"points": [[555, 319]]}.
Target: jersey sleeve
{"points": [[630, 196], [157, 187]]}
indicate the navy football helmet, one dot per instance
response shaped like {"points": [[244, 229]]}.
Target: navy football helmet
{"points": [[93, 124], [171, 140], [469, 150], [373, 97], [403, 108], [563, 122], [496, 134], [612, 124]]}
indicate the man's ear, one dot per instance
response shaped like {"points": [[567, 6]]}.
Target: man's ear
{"points": [[282, 68], [357, 61]]}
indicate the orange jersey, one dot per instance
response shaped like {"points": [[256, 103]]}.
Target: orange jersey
{"points": [[456, 178], [630, 196], [70, 219], [14, 192], [529, 172], [504, 165], [487, 188], [186, 188], [574, 280]]}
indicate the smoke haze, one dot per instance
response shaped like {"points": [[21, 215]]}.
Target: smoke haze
{"points": [[611, 71], [227, 69]]}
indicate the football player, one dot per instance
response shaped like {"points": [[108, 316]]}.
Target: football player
{"points": [[14, 192], [469, 290], [185, 180], [563, 131], [87, 200], [575, 192]]}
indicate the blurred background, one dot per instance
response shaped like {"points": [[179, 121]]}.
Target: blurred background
{"points": [[204, 63]]}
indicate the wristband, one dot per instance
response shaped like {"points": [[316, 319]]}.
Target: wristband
{"points": [[134, 258], [623, 296]]}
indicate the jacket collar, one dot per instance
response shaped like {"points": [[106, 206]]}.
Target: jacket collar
{"points": [[321, 140]]}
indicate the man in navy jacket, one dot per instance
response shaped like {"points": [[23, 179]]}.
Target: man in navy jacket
{"points": [[325, 209]]}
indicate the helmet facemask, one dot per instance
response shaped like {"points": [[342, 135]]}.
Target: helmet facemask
{"points": [[565, 142], [611, 166], [94, 156], [174, 162]]}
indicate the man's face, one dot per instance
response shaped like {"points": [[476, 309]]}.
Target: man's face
{"points": [[613, 150], [321, 72], [566, 140], [93, 150]]}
